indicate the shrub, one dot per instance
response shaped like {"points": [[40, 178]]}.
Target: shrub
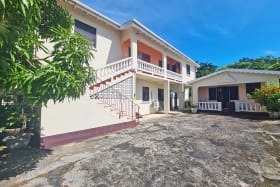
{"points": [[269, 96]]}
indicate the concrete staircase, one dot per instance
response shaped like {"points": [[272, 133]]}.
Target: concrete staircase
{"points": [[114, 90]]}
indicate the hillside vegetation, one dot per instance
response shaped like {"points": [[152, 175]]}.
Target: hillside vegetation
{"points": [[263, 63]]}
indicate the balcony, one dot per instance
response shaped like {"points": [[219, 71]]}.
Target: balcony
{"points": [[126, 64]]}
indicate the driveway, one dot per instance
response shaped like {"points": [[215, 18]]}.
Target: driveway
{"points": [[165, 150]]}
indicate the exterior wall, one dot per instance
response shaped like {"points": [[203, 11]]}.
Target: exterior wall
{"points": [[125, 46], [154, 54], [203, 94], [108, 40], [84, 113], [145, 106]]}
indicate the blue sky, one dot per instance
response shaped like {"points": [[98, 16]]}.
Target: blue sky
{"points": [[216, 31]]}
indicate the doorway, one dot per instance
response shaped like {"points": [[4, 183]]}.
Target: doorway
{"points": [[224, 94], [161, 98]]}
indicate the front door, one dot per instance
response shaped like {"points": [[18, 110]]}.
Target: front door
{"points": [[223, 96]]}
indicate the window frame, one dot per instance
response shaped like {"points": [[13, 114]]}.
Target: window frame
{"points": [[188, 69], [251, 87], [85, 30], [145, 93]]}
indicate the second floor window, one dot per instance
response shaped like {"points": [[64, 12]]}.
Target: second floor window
{"points": [[188, 69], [87, 31], [144, 56]]}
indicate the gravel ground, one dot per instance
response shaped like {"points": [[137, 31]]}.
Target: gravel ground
{"points": [[165, 150]]}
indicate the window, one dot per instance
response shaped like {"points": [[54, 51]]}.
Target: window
{"points": [[179, 67], [145, 94], [129, 52], [174, 68], [212, 93], [87, 31], [160, 63], [188, 69], [233, 93], [250, 87], [168, 66], [144, 56]]}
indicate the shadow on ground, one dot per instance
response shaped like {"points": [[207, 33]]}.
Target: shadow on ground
{"points": [[19, 161], [242, 115]]}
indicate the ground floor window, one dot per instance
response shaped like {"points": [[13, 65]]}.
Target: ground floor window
{"points": [[251, 87], [145, 94]]}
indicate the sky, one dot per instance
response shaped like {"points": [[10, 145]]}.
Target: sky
{"points": [[215, 31]]}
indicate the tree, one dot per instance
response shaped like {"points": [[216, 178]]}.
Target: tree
{"points": [[30, 80], [264, 63], [205, 69]]}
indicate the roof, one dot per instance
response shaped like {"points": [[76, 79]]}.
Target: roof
{"points": [[133, 23], [249, 71]]}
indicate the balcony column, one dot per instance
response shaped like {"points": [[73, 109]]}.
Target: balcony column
{"points": [[182, 98], [183, 72], [194, 95], [166, 96], [134, 50], [164, 61]]}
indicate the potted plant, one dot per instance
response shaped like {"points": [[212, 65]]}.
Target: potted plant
{"points": [[193, 108], [269, 96]]}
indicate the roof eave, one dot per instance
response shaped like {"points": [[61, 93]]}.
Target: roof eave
{"points": [[137, 25], [97, 15]]}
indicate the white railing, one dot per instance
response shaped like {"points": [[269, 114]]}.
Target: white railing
{"points": [[174, 75], [210, 105], [148, 67], [114, 68], [246, 106]]}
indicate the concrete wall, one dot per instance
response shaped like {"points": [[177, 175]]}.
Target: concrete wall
{"points": [[145, 106], [84, 113], [108, 39]]}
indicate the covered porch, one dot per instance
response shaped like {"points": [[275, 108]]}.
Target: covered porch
{"points": [[229, 98], [228, 90], [157, 95]]}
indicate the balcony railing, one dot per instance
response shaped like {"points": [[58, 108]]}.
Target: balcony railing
{"points": [[246, 106], [174, 75], [114, 68], [150, 68], [210, 106], [126, 64]]}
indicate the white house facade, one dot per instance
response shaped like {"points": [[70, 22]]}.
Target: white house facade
{"points": [[137, 73]]}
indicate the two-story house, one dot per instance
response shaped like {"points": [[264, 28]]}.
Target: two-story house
{"points": [[137, 72]]}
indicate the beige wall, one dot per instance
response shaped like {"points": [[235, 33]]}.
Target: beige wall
{"points": [[145, 106], [84, 113], [108, 39]]}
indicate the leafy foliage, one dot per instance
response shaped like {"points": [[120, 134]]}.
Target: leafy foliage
{"points": [[264, 63], [29, 71], [269, 96], [205, 69]]}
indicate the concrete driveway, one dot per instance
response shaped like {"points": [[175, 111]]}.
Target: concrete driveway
{"points": [[165, 150]]}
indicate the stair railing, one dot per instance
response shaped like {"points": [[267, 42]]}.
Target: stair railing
{"points": [[116, 101]]}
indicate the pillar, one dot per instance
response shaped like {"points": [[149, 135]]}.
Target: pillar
{"points": [[164, 61], [134, 50], [166, 97], [194, 95]]}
